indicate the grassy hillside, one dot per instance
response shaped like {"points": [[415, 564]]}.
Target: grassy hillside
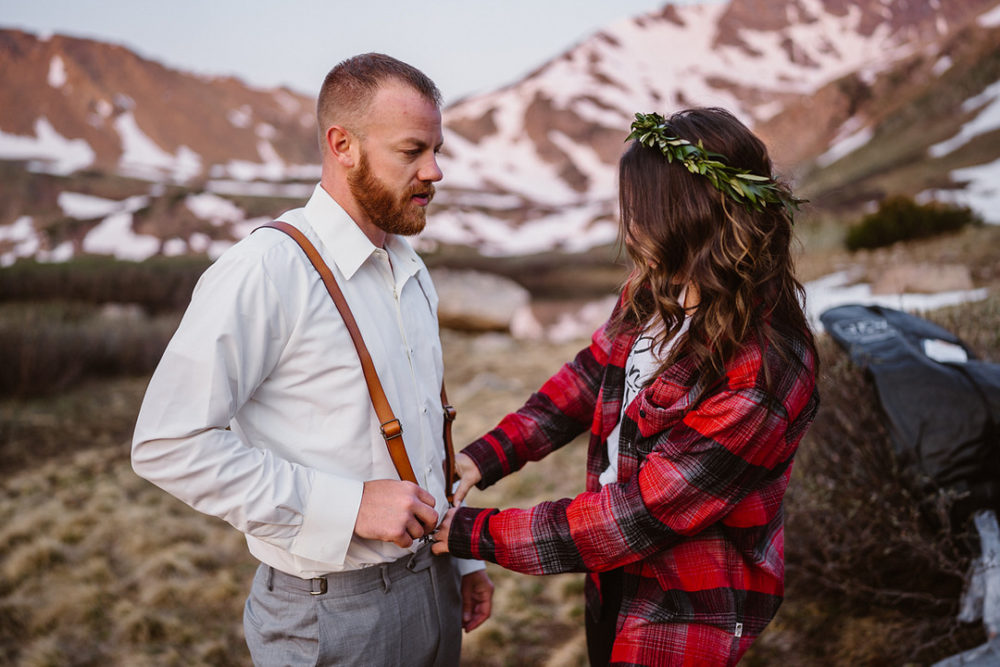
{"points": [[911, 108]]}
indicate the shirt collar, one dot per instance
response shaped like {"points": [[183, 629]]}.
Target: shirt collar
{"points": [[348, 245]]}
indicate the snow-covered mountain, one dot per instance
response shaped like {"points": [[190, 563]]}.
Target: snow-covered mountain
{"points": [[73, 104], [528, 168], [553, 139]]}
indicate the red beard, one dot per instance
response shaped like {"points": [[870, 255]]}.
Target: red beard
{"points": [[390, 214]]}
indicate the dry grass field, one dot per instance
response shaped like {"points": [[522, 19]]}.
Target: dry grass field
{"points": [[98, 567]]}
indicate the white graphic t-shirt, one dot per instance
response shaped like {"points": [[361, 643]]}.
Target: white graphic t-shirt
{"points": [[643, 360]]}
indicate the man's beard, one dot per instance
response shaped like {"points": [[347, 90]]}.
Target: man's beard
{"points": [[390, 214]]}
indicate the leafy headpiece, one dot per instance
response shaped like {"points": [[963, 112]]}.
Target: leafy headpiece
{"points": [[744, 187]]}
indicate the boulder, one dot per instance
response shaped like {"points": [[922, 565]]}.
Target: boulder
{"points": [[477, 301]]}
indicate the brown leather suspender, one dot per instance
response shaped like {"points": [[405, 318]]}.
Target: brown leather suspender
{"points": [[392, 430]]}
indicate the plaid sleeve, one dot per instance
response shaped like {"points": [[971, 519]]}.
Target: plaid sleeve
{"points": [[554, 415], [711, 465]]}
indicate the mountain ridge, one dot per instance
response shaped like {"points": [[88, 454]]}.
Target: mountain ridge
{"points": [[529, 167]]}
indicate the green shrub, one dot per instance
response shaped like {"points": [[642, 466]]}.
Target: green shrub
{"points": [[899, 218]]}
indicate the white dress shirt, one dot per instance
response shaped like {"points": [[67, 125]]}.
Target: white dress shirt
{"points": [[258, 412]]}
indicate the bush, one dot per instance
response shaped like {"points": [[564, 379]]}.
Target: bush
{"points": [[900, 218], [875, 568], [48, 347], [158, 285]]}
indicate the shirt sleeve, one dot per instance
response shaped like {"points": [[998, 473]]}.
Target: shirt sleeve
{"points": [[558, 412], [695, 474], [230, 338]]}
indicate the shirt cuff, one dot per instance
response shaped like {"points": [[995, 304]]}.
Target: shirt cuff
{"points": [[468, 566], [468, 536], [329, 518]]}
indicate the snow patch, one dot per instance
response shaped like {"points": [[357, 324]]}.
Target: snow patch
{"points": [[573, 229], [114, 236], [63, 156], [61, 253], [981, 191], [986, 120], [837, 289], [85, 207], [846, 145], [990, 19], [604, 177], [143, 157], [174, 247], [241, 117], [942, 65], [22, 237], [214, 208], [261, 189], [57, 72]]}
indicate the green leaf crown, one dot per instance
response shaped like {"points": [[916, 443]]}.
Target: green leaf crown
{"points": [[744, 187]]}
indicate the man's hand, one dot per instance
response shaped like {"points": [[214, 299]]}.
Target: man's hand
{"points": [[395, 511], [477, 599], [468, 475]]}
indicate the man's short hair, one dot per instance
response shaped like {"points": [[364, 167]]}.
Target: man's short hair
{"points": [[350, 86]]}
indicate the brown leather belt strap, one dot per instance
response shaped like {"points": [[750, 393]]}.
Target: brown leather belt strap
{"points": [[392, 430]]}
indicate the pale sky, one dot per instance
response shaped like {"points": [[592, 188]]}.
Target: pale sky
{"points": [[466, 46]]}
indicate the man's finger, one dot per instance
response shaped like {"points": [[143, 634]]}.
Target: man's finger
{"points": [[427, 517], [477, 618], [414, 529], [425, 497], [468, 606]]}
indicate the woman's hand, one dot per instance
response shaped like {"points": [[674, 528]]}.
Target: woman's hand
{"points": [[440, 545], [468, 476]]}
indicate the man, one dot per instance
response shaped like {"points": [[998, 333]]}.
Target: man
{"points": [[258, 412]]}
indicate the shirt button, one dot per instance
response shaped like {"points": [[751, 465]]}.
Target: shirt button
{"points": [[642, 413]]}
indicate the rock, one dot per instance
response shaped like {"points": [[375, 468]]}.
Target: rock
{"points": [[476, 301], [581, 323], [122, 312], [922, 279]]}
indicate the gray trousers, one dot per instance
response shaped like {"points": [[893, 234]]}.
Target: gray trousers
{"points": [[404, 613]]}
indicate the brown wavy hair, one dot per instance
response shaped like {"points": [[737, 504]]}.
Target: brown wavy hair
{"points": [[679, 229]]}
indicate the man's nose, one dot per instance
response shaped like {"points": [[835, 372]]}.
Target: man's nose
{"points": [[430, 171]]}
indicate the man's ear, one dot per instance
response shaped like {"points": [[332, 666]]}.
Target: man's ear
{"points": [[342, 145]]}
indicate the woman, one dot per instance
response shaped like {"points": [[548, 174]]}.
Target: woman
{"points": [[696, 393]]}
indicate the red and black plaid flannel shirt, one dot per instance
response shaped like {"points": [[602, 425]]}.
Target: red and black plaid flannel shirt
{"points": [[695, 519]]}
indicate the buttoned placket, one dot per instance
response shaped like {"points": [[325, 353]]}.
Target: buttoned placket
{"points": [[385, 268]]}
